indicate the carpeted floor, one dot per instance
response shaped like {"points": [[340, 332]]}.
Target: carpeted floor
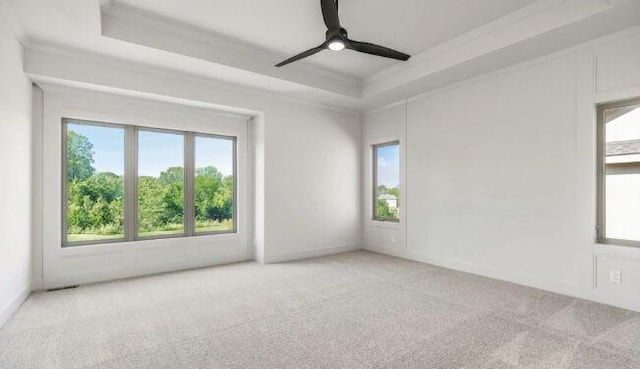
{"points": [[354, 310]]}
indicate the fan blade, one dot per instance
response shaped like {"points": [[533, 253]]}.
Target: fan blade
{"points": [[373, 49], [302, 55], [330, 14]]}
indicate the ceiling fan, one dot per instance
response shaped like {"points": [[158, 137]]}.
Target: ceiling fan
{"points": [[336, 39]]}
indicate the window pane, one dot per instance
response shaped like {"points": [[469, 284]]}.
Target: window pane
{"points": [[160, 184], [214, 184], [387, 181], [622, 197], [94, 182]]}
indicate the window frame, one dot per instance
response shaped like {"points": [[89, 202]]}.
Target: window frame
{"points": [[374, 181], [136, 197], [601, 235], [130, 182], [65, 194], [234, 141]]}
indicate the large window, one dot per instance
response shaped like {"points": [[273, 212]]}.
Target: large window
{"points": [[127, 183], [386, 181], [619, 173]]}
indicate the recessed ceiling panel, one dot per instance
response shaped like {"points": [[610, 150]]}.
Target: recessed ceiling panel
{"points": [[291, 26]]}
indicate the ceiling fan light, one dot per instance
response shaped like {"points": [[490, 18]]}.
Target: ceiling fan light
{"points": [[336, 45], [337, 39]]}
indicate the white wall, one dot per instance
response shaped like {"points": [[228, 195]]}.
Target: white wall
{"points": [[256, 149], [312, 182], [495, 185], [84, 264], [384, 126], [500, 173], [15, 180], [306, 159]]}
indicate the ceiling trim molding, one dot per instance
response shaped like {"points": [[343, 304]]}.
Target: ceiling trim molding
{"points": [[137, 26], [48, 85], [53, 65], [573, 51], [473, 35], [380, 109], [177, 53], [531, 21]]}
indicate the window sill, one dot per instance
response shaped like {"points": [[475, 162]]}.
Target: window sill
{"points": [[618, 244], [375, 223], [151, 243]]}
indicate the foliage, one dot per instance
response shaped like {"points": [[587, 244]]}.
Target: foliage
{"points": [[384, 211], [219, 206], [383, 208], [95, 201], [393, 191], [79, 156]]}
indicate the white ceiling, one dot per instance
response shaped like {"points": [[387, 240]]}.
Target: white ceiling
{"points": [[237, 42], [288, 27]]}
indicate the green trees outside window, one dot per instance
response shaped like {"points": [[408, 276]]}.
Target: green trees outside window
{"points": [[95, 183], [160, 183], [213, 184], [386, 179], [387, 202]]}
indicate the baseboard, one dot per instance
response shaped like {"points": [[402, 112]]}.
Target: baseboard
{"points": [[141, 272], [310, 253], [379, 249], [559, 287], [14, 306]]}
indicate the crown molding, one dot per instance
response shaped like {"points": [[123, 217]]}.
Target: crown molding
{"points": [[59, 66], [471, 54], [536, 19], [212, 109], [189, 53]]}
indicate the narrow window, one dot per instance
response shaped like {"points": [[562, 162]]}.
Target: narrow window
{"points": [[215, 183], [386, 181], [160, 189], [93, 182], [619, 173]]}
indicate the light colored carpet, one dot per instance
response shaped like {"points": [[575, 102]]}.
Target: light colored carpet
{"points": [[354, 310]]}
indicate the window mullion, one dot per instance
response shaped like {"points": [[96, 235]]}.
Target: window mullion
{"points": [[189, 173], [130, 183]]}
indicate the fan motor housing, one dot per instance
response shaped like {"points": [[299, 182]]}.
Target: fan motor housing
{"points": [[341, 34]]}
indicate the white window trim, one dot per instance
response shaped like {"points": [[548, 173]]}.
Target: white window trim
{"points": [[374, 180], [601, 237]]}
